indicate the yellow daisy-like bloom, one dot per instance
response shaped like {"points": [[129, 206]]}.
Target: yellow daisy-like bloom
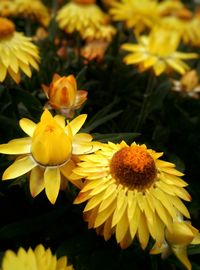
{"points": [[177, 240], [37, 259], [185, 23], [158, 51], [188, 85], [7, 8], [85, 17], [130, 192], [136, 14], [48, 153], [17, 52], [34, 10], [63, 95]]}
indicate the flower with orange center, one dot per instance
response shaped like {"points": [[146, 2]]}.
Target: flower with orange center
{"points": [[158, 51], [37, 259], [188, 85], [130, 191], [17, 52], [63, 95], [86, 18], [181, 235], [48, 153]]}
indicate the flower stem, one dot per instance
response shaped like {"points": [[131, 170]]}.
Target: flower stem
{"points": [[146, 102]]}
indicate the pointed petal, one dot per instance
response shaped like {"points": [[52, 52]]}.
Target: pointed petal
{"points": [[27, 126], [52, 183], [77, 123], [16, 147], [181, 254], [19, 167], [36, 181]]}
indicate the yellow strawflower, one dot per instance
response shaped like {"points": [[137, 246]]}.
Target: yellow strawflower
{"points": [[17, 52], [181, 235], [158, 51], [37, 259], [48, 152], [185, 23], [63, 95], [130, 191], [34, 10], [136, 14], [86, 18]]}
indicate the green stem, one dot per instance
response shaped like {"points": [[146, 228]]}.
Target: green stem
{"points": [[145, 104]]}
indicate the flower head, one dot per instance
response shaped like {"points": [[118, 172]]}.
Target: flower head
{"points": [[63, 94], [37, 259], [48, 153], [181, 235], [35, 10], [130, 191], [94, 50], [188, 85], [158, 51], [136, 14], [84, 17], [17, 52]]}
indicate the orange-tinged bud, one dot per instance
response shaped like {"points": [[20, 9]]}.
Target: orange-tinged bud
{"points": [[190, 80], [63, 94], [50, 144]]}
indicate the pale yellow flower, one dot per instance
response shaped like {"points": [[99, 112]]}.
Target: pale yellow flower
{"points": [[35, 10], [137, 14], [130, 191], [185, 23], [17, 52], [158, 51], [48, 152], [188, 85], [63, 95], [86, 18], [37, 259], [181, 234]]}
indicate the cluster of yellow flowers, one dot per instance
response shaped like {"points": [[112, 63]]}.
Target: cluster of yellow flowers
{"points": [[130, 192]]}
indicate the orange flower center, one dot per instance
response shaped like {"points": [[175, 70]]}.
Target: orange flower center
{"points": [[133, 167], [7, 28], [84, 2]]}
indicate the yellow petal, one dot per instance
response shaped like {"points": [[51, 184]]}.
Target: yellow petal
{"points": [[28, 126], [15, 147], [77, 123], [104, 215], [121, 228], [143, 232], [36, 181], [52, 183], [181, 254], [19, 167]]}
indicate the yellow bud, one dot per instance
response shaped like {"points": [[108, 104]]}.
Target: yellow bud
{"points": [[180, 234], [50, 144]]}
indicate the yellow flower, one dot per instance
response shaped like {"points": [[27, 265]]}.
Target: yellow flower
{"points": [[130, 192], [185, 23], [188, 85], [158, 51], [48, 153], [84, 17], [37, 259], [35, 10], [6, 8], [17, 52], [63, 94], [178, 238], [169, 7], [139, 15]]}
